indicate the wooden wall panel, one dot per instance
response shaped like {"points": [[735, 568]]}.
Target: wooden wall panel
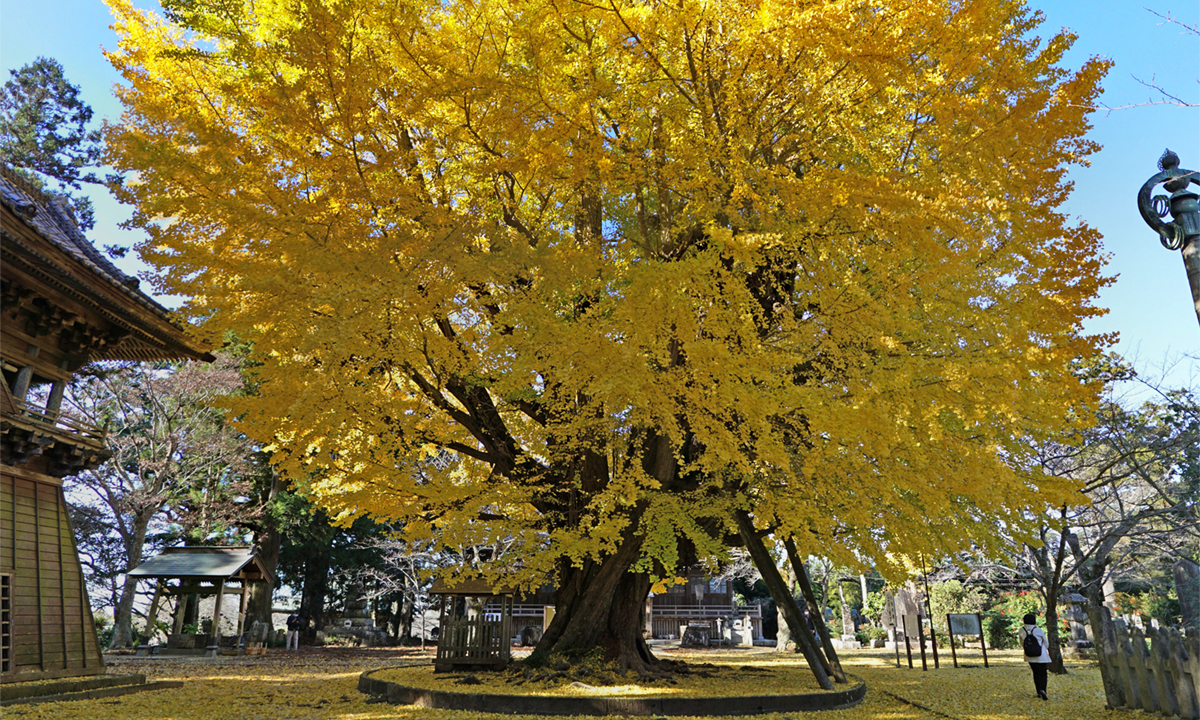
{"points": [[53, 633]]}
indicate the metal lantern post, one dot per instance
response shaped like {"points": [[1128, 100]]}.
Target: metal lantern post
{"points": [[1183, 232]]}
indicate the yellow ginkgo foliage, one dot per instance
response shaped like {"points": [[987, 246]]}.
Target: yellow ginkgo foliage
{"points": [[589, 277]]}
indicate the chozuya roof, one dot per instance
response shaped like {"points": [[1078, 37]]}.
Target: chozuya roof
{"points": [[51, 219], [202, 562]]}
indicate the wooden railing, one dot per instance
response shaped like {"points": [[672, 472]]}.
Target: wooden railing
{"points": [[707, 612], [523, 610], [696, 612], [59, 420]]}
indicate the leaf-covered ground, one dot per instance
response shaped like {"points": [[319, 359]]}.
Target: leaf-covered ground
{"points": [[322, 683]]}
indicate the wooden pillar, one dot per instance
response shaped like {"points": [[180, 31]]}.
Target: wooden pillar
{"points": [[20, 387], [506, 614], [152, 616], [62, 577], [55, 400], [241, 623], [215, 638], [181, 603]]}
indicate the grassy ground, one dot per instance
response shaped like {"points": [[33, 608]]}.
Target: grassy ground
{"points": [[322, 683]]}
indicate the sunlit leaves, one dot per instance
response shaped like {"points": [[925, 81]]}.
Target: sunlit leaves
{"points": [[811, 249]]}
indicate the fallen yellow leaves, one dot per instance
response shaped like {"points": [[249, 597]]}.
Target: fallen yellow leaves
{"points": [[323, 684], [713, 675]]}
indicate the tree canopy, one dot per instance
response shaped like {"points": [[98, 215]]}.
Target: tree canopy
{"points": [[598, 276]]}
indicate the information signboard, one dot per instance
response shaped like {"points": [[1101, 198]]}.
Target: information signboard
{"points": [[964, 624]]}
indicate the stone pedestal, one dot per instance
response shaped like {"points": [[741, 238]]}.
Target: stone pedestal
{"points": [[357, 623]]}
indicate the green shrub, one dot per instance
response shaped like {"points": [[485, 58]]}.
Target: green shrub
{"points": [[877, 633], [874, 606], [1162, 606], [1002, 621], [954, 597]]}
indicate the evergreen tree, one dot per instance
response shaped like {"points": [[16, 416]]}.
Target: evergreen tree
{"points": [[44, 131]]}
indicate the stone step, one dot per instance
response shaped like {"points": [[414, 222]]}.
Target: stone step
{"points": [[89, 692]]}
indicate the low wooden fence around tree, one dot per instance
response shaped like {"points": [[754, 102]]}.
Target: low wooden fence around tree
{"points": [[1162, 677]]}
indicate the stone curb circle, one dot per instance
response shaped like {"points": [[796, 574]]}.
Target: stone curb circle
{"points": [[397, 694]]}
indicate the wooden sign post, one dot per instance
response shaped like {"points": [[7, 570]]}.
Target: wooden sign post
{"points": [[966, 624], [914, 627]]}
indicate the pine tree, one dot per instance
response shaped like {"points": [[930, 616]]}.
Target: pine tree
{"points": [[43, 131]]}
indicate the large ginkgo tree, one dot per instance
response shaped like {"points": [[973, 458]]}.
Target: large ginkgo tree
{"points": [[597, 280]]}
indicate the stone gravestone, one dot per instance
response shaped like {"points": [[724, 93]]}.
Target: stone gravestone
{"points": [[530, 635], [1187, 586]]}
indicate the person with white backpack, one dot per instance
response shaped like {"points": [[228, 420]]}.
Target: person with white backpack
{"points": [[1036, 647]]}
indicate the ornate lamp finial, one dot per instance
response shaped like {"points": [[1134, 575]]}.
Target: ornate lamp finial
{"points": [[1183, 232], [1168, 161]]}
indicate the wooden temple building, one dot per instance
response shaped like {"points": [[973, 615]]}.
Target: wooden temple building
{"points": [[199, 571], [63, 304]]}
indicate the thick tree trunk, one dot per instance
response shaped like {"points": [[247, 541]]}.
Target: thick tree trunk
{"points": [[123, 616], [123, 613], [814, 611], [1098, 618], [783, 635], [782, 595], [405, 621], [601, 606], [1187, 587], [312, 598], [1052, 634], [267, 543]]}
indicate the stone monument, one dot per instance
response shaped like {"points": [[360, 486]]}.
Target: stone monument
{"points": [[888, 617], [1074, 611], [847, 618], [357, 623]]}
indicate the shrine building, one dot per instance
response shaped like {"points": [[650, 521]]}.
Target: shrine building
{"points": [[63, 304]]}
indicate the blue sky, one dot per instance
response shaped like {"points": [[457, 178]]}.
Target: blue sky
{"points": [[1149, 304]]}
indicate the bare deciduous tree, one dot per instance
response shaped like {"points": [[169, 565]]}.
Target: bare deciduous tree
{"points": [[170, 446]]}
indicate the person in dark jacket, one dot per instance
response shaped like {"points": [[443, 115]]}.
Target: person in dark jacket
{"points": [[293, 632], [1039, 664]]}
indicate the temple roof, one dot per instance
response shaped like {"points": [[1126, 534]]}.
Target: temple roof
{"points": [[201, 562], [51, 219]]}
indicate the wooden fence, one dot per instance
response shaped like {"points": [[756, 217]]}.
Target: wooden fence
{"points": [[1163, 677]]}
